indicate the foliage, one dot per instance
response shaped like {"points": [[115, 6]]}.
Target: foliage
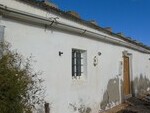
{"points": [[20, 88]]}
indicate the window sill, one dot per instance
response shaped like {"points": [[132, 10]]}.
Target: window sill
{"points": [[78, 80]]}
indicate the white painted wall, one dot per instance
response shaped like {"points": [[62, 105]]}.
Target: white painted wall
{"points": [[45, 44]]}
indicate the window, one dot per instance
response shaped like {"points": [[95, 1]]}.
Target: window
{"points": [[78, 63]]}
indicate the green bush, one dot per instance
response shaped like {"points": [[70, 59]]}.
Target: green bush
{"points": [[20, 87]]}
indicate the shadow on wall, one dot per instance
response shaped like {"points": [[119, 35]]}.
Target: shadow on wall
{"points": [[140, 85], [111, 96]]}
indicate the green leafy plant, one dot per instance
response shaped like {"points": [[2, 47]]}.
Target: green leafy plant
{"points": [[20, 87]]}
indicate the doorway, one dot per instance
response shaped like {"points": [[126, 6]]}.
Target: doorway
{"points": [[126, 76]]}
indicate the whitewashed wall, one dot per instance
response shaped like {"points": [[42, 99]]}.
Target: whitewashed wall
{"points": [[61, 90]]}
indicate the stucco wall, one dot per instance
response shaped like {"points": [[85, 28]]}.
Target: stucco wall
{"points": [[101, 87]]}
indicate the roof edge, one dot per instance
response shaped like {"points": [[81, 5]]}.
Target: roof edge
{"points": [[66, 15]]}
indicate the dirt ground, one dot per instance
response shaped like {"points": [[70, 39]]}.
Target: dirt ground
{"points": [[137, 105], [133, 105]]}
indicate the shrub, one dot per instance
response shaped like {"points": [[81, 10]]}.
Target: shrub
{"points": [[20, 87]]}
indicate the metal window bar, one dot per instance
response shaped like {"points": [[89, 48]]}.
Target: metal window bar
{"points": [[76, 63]]}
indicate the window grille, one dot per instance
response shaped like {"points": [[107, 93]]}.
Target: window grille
{"points": [[77, 63]]}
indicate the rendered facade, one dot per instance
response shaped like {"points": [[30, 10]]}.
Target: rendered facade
{"points": [[86, 68]]}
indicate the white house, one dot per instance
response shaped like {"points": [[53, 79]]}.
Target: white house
{"points": [[86, 68]]}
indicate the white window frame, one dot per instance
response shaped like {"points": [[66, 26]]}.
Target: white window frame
{"points": [[79, 63]]}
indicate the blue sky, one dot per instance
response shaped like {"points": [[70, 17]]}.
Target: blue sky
{"points": [[132, 17]]}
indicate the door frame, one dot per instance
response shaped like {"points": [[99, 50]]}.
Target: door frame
{"points": [[129, 55]]}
